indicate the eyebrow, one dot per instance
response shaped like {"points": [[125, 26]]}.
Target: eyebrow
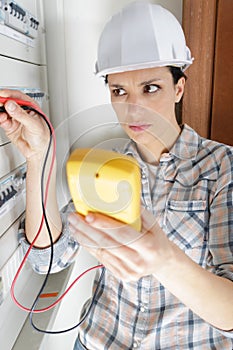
{"points": [[146, 82], [116, 85]]}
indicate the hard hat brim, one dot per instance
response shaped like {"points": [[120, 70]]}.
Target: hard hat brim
{"points": [[176, 63]]}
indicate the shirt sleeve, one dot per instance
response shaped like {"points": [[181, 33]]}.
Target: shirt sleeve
{"points": [[221, 227], [221, 223], [65, 249]]}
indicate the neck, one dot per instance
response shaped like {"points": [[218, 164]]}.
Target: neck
{"points": [[151, 152]]}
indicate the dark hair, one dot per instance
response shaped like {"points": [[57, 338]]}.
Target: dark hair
{"points": [[176, 73]]}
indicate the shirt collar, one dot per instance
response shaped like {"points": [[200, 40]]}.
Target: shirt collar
{"points": [[186, 146]]}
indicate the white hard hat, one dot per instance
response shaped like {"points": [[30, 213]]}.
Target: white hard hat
{"points": [[141, 35]]}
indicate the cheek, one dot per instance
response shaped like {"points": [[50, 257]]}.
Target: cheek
{"points": [[165, 107]]}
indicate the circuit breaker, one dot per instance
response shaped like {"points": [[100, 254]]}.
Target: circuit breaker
{"points": [[15, 16], [12, 197], [22, 31]]}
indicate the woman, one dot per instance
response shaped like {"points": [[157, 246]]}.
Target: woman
{"points": [[172, 287]]}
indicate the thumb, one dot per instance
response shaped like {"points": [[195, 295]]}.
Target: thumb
{"points": [[17, 113]]}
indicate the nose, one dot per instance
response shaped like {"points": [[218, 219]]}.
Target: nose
{"points": [[135, 107], [131, 104], [129, 110], [133, 100], [131, 107]]}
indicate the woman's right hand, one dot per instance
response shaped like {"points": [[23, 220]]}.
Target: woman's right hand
{"points": [[26, 130]]}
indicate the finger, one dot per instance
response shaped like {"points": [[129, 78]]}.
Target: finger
{"points": [[108, 259], [96, 236], [86, 235], [17, 113], [16, 94], [120, 265], [3, 117], [7, 123], [106, 249], [119, 231], [103, 222]]}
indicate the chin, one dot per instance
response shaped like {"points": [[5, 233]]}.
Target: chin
{"points": [[140, 139]]}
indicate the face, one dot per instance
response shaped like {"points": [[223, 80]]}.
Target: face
{"points": [[144, 101]]}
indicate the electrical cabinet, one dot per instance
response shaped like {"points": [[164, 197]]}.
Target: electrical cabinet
{"points": [[22, 66]]}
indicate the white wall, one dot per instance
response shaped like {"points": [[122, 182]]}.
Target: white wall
{"points": [[79, 101], [84, 21]]}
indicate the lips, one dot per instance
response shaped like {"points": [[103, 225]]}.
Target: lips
{"points": [[139, 127]]}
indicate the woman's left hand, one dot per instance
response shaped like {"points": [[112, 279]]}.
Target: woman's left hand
{"points": [[127, 253], [130, 255]]}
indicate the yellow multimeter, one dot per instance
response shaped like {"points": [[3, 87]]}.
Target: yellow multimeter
{"points": [[107, 182]]}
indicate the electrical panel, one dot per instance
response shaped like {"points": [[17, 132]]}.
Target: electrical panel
{"points": [[22, 67], [15, 16], [12, 318], [22, 31], [12, 197]]}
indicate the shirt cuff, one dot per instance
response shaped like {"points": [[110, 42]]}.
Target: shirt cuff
{"points": [[227, 334], [64, 250]]}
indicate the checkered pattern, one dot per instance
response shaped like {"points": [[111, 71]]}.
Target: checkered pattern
{"points": [[192, 199]]}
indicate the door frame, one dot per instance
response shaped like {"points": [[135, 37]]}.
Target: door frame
{"points": [[199, 23]]}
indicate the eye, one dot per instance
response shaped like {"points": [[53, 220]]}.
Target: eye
{"points": [[151, 88], [118, 92]]}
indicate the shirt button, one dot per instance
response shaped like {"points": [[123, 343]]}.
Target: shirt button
{"points": [[135, 345], [142, 309]]}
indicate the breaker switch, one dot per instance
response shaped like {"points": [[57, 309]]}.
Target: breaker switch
{"points": [[1, 200], [34, 23], [10, 193], [7, 194], [12, 197], [13, 190]]}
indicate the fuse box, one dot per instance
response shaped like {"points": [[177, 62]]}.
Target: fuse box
{"points": [[22, 30], [12, 197], [13, 15]]}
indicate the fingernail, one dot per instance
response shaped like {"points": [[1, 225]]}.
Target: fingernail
{"points": [[11, 106], [89, 218], [72, 219], [72, 229]]}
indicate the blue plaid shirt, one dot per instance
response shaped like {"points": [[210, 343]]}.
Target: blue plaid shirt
{"points": [[191, 196]]}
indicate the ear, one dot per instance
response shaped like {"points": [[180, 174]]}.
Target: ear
{"points": [[179, 89]]}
